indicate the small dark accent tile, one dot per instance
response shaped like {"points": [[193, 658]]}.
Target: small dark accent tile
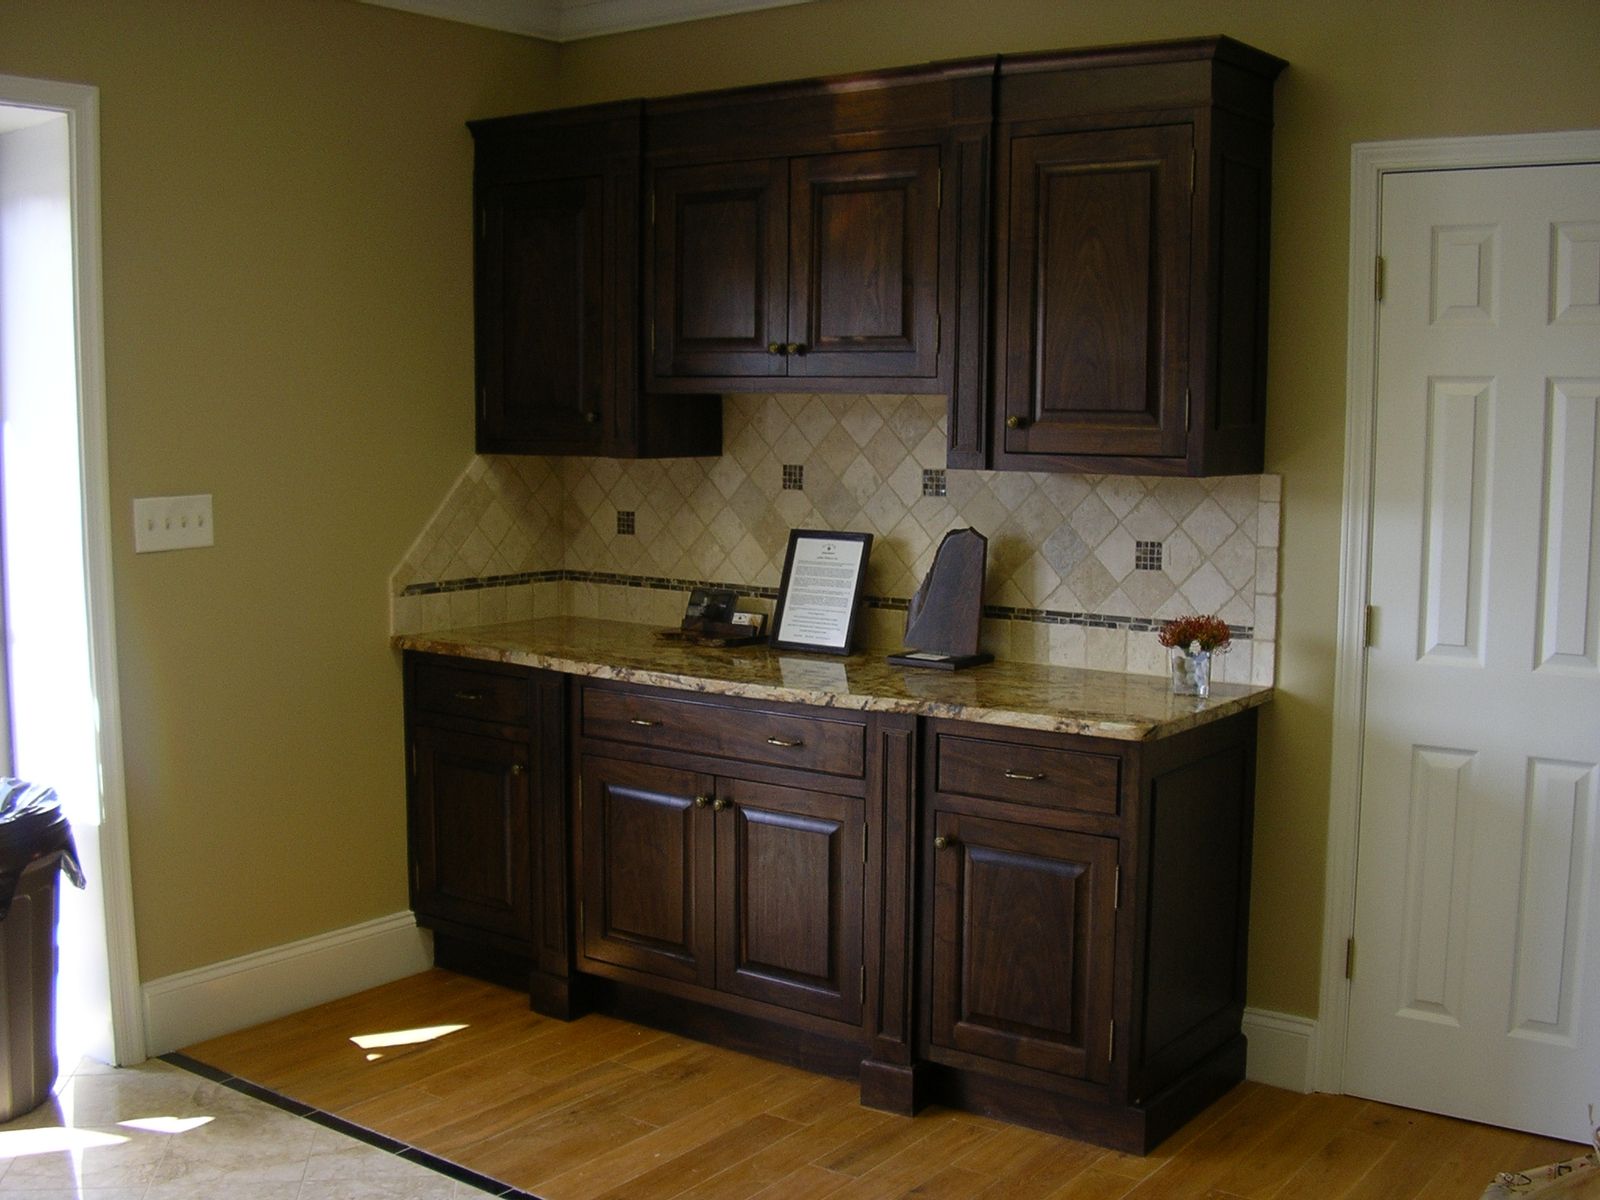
{"points": [[359, 1132], [933, 482], [195, 1067], [624, 521], [457, 1172], [794, 478], [1146, 556]]}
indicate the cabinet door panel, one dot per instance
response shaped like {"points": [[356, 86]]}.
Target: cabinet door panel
{"points": [[647, 880], [864, 261], [1097, 294], [719, 253], [542, 315], [789, 896], [470, 830], [1023, 944]]}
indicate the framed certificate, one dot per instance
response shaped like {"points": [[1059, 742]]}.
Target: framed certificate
{"points": [[822, 578]]}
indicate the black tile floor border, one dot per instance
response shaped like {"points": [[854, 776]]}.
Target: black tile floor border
{"points": [[327, 1120]]}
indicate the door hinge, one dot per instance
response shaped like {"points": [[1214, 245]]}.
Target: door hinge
{"points": [[1377, 279], [1191, 170], [1111, 1042], [863, 985], [416, 877], [652, 340], [652, 207], [864, 857], [1116, 888], [483, 222], [1350, 958], [938, 332], [938, 188], [1186, 409], [413, 759], [1369, 634]]}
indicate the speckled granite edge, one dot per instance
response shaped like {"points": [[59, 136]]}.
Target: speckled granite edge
{"points": [[1022, 695]]}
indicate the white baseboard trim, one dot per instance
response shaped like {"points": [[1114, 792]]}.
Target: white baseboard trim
{"points": [[207, 1002], [1282, 1049]]}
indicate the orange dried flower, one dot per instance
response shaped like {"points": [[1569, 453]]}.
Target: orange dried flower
{"points": [[1211, 632]]}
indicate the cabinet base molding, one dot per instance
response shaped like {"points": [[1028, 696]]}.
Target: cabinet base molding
{"points": [[892, 1087], [747, 1034], [1133, 1129]]}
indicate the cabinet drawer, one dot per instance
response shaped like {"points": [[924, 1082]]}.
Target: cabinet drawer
{"points": [[464, 692], [833, 747], [1041, 775]]}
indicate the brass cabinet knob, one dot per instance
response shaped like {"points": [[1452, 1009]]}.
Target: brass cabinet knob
{"points": [[701, 801], [774, 348], [1013, 422], [720, 804], [591, 417], [941, 842], [516, 768], [793, 348]]}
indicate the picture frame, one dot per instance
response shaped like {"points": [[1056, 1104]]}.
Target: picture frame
{"points": [[823, 575]]}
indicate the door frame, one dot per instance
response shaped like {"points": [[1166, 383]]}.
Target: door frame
{"points": [[1370, 162], [81, 105]]}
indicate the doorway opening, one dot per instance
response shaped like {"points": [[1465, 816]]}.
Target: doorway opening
{"points": [[60, 722]]}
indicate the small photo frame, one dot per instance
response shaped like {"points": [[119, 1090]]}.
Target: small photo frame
{"points": [[823, 574]]}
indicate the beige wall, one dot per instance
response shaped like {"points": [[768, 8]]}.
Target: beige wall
{"points": [[288, 324], [1359, 70], [288, 314]]}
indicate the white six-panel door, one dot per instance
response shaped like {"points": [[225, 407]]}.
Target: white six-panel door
{"points": [[1476, 986]]}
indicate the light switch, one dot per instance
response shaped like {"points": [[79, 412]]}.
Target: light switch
{"points": [[171, 523]]}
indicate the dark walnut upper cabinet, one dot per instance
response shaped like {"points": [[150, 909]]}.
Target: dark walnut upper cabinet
{"points": [[1132, 212], [556, 245], [823, 235]]}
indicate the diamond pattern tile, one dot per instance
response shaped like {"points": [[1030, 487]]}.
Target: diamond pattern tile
{"points": [[1062, 543]]}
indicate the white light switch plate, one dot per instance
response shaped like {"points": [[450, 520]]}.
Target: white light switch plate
{"points": [[171, 523]]}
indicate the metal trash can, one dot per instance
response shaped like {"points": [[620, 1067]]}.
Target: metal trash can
{"points": [[35, 846]]}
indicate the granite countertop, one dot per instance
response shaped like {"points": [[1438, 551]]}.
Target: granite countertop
{"points": [[1057, 699]]}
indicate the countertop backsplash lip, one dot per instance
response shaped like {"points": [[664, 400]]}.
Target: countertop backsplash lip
{"points": [[1108, 704], [1082, 569]]}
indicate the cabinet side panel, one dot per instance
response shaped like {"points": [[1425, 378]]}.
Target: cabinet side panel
{"points": [[1197, 879]]}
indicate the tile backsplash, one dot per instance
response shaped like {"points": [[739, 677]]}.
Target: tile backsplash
{"points": [[1081, 567]]}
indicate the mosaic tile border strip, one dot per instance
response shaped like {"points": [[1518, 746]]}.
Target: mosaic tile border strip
{"points": [[443, 1166], [1042, 616]]}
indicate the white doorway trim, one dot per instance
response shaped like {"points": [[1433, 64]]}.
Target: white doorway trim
{"points": [[1369, 163], [81, 105]]}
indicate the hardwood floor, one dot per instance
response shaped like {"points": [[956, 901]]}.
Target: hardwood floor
{"points": [[599, 1109]]}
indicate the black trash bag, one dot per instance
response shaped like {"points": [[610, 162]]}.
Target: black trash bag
{"points": [[32, 825]]}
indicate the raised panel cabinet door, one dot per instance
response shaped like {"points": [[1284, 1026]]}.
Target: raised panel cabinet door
{"points": [[541, 316], [1097, 293], [648, 900], [789, 897], [472, 862], [719, 251], [1023, 944], [864, 263]]}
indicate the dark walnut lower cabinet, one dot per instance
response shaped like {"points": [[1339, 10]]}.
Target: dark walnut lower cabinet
{"points": [[1042, 927], [487, 820]]}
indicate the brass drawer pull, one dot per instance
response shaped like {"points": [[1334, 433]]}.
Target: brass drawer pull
{"points": [[721, 805], [701, 801], [943, 843], [643, 722], [787, 745], [1026, 776], [470, 697]]}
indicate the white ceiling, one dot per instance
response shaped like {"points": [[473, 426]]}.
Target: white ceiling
{"points": [[569, 20]]}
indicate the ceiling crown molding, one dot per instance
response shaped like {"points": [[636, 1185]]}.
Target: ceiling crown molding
{"points": [[569, 20]]}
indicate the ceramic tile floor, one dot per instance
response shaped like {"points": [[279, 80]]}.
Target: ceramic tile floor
{"points": [[159, 1132]]}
